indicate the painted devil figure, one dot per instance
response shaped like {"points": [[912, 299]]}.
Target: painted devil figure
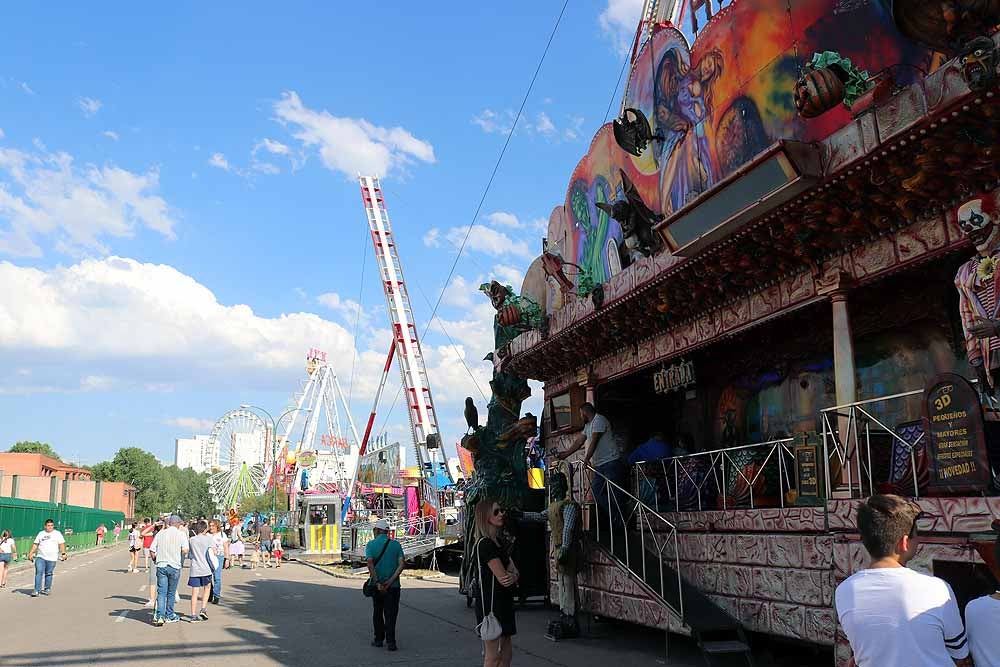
{"points": [[978, 285], [637, 221]]}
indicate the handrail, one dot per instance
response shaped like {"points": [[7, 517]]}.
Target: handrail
{"points": [[718, 461], [847, 439], [643, 516]]}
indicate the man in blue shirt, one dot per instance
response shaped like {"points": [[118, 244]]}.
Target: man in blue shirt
{"points": [[385, 563], [654, 449]]}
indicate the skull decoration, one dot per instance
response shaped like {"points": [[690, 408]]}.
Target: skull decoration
{"points": [[978, 225], [979, 63]]}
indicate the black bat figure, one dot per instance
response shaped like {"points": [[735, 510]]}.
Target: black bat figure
{"points": [[471, 414]]}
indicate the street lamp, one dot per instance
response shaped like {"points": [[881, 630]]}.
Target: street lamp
{"points": [[274, 446]]}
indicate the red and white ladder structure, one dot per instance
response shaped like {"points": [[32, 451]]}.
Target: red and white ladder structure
{"points": [[406, 342]]}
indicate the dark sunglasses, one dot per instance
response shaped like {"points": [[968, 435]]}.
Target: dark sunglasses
{"points": [[498, 511]]}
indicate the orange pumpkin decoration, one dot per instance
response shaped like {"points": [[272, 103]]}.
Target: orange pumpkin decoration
{"points": [[509, 315]]}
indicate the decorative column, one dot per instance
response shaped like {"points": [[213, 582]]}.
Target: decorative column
{"points": [[837, 287]]}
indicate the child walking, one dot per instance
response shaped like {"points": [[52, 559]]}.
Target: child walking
{"points": [[276, 549]]}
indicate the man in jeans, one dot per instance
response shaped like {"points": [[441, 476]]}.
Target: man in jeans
{"points": [[603, 454], [264, 537], [168, 550], [50, 547], [894, 616], [385, 563]]}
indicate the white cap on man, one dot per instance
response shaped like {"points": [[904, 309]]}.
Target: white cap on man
{"points": [[382, 524]]}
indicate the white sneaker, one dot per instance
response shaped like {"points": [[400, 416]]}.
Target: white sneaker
{"points": [[149, 604]]}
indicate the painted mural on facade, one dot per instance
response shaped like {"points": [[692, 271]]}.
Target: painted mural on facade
{"points": [[717, 104]]}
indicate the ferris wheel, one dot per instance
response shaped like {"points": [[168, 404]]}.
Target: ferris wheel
{"points": [[239, 457]]}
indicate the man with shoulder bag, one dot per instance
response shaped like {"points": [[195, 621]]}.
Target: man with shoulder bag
{"points": [[385, 563]]}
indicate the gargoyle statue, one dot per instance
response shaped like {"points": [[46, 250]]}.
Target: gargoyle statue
{"points": [[978, 59], [637, 222]]}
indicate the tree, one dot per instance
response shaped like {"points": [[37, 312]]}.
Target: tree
{"points": [[33, 447], [188, 491], [262, 503], [140, 469]]}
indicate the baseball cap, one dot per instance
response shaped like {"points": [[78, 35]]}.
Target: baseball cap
{"points": [[382, 524], [174, 520]]}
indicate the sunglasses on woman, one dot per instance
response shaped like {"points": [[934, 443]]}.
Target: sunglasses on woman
{"points": [[498, 511]]}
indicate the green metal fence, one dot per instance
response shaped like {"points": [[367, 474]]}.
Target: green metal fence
{"points": [[24, 518]]}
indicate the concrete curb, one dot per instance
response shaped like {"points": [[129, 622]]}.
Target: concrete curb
{"points": [[361, 577]]}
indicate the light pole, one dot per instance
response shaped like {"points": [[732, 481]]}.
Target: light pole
{"points": [[274, 447]]}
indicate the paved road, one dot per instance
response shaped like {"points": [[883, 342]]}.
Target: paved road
{"points": [[293, 616], [289, 616]]}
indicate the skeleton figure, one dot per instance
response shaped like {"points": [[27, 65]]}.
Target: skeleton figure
{"points": [[563, 517], [978, 285], [637, 221]]}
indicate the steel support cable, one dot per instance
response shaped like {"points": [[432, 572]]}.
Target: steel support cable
{"points": [[486, 191], [357, 316]]}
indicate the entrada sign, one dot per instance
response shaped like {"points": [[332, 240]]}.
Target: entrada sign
{"points": [[674, 377]]}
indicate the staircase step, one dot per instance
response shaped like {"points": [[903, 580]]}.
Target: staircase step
{"points": [[723, 647]]}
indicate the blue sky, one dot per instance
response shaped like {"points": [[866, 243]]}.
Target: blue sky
{"points": [[179, 214]]}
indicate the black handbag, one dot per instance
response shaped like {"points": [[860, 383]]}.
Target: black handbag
{"points": [[370, 588]]}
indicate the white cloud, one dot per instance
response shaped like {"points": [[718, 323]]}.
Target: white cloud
{"points": [[192, 424], [96, 383], [26, 88], [503, 219], [272, 146], [265, 167], [432, 239], [219, 161], [493, 122], [572, 130], [619, 21], [460, 292], [1, 133], [539, 225], [147, 324], [488, 241], [348, 309], [351, 145], [46, 195], [89, 106], [509, 275], [544, 124], [110, 135]]}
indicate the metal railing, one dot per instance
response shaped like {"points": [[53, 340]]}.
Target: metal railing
{"points": [[737, 476], [416, 535], [624, 511], [847, 432]]}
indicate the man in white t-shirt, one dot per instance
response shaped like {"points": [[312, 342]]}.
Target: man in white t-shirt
{"points": [[168, 549], [894, 616], [982, 622], [49, 547], [604, 455]]}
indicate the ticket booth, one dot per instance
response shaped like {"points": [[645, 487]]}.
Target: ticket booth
{"points": [[321, 527]]}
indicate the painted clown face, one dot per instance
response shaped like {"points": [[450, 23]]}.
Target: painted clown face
{"points": [[978, 226]]}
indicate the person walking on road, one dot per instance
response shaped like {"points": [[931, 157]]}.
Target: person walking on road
{"points": [[236, 546], [134, 547], [385, 563], [277, 550], [497, 575], [8, 553], [146, 533], [204, 560], [168, 550], [151, 575], [264, 537], [50, 547], [221, 556], [117, 530], [101, 531]]}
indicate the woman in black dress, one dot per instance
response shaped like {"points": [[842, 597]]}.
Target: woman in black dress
{"points": [[499, 576]]}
